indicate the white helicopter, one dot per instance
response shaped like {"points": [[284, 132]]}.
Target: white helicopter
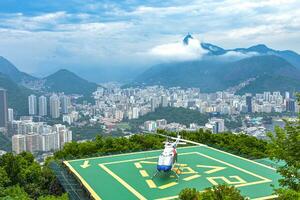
{"points": [[168, 158]]}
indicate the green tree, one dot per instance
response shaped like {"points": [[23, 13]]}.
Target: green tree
{"points": [[219, 192], [285, 145], [189, 194], [4, 179], [20, 173], [63, 197], [14, 193]]}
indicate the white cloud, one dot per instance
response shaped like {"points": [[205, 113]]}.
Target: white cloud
{"points": [[234, 55], [179, 51]]}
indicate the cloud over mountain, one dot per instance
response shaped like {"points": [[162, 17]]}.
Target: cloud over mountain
{"points": [[179, 51]]}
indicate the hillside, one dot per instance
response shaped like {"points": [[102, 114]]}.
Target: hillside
{"points": [[171, 114], [17, 95], [271, 73], [7, 68], [69, 83]]}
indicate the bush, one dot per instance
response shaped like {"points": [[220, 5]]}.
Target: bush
{"points": [[219, 192]]}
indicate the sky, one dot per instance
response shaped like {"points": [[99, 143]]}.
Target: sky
{"points": [[41, 36]]}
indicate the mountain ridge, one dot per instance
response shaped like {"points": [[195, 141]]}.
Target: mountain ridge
{"points": [[212, 76], [9, 69]]}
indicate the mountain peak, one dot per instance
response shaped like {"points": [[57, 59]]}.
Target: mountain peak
{"points": [[261, 48], [63, 71], [187, 38], [68, 82]]}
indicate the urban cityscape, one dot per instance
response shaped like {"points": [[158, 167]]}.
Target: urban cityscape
{"points": [[114, 105], [149, 100]]}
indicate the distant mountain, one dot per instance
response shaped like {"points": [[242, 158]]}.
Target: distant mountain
{"points": [[270, 72], [61, 81], [259, 49], [17, 95], [7, 68], [69, 83]]}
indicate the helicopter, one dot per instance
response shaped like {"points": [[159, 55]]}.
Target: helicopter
{"points": [[168, 158]]}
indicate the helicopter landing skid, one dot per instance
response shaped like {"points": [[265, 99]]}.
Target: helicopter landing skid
{"points": [[175, 172]]}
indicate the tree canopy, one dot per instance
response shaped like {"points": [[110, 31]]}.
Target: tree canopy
{"points": [[285, 145], [219, 192], [23, 178]]}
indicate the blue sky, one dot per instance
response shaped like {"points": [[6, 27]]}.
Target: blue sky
{"points": [[40, 36]]}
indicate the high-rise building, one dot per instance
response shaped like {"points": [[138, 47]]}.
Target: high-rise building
{"points": [[49, 141], [10, 112], [219, 125], [42, 106], [249, 104], [54, 106], [3, 108], [164, 101], [18, 143], [287, 95], [290, 105], [32, 105], [65, 104], [153, 104], [32, 142], [135, 113], [65, 135]]}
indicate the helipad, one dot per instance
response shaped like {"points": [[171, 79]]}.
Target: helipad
{"points": [[128, 176]]}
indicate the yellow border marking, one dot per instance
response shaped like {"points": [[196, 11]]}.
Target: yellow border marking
{"points": [[167, 185], [126, 185], [138, 165], [86, 185], [192, 177], [214, 168], [150, 183], [144, 173]]}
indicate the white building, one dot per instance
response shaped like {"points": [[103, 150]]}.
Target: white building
{"points": [[49, 141], [42, 106], [18, 143], [150, 126], [71, 118], [32, 105], [135, 113], [32, 142], [10, 114]]}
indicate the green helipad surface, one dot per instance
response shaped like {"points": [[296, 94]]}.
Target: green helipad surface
{"points": [[128, 176]]}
